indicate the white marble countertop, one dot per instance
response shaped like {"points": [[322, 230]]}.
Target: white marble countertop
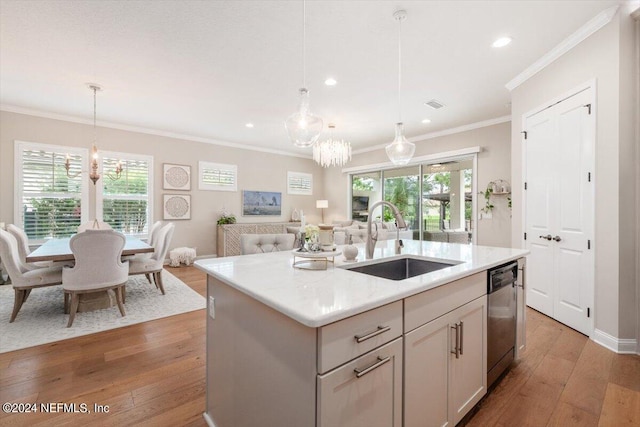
{"points": [[319, 297]]}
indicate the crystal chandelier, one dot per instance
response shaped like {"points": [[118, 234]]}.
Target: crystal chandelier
{"points": [[332, 152], [94, 176], [400, 150], [303, 126]]}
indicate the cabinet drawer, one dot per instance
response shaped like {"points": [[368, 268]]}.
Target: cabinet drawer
{"points": [[364, 392], [347, 339], [426, 306]]}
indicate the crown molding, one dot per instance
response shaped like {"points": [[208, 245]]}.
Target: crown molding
{"points": [[149, 131], [451, 131], [599, 21]]}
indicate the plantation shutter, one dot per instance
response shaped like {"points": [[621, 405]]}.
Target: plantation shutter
{"points": [[217, 177], [126, 201], [299, 183], [50, 202]]}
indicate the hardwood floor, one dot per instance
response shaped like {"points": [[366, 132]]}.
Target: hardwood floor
{"points": [[154, 374]]}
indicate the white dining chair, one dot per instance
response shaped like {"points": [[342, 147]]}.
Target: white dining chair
{"points": [[23, 247], [154, 264], [23, 279], [98, 267], [152, 241]]}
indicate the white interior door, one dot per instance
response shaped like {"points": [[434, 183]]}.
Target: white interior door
{"points": [[560, 210]]}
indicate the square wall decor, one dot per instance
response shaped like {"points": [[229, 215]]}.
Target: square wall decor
{"points": [[176, 177], [177, 206]]}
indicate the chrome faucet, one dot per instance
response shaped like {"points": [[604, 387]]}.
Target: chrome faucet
{"points": [[372, 238]]}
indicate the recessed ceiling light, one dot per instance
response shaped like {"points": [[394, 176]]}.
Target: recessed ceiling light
{"points": [[330, 81], [249, 125], [501, 42], [426, 121]]}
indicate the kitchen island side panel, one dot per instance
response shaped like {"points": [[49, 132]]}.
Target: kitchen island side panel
{"points": [[261, 365]]}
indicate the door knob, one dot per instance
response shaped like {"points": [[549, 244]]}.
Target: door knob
{"points": [[557, 238], [548, 237]]}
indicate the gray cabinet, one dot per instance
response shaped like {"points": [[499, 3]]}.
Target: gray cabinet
{"points": [[364, 392], [445, 352]]}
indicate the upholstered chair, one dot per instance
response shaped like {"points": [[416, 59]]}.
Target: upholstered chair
{"points": [[263, 243], [153, 234], [23, 247], [154, 264], [98, 267], [152, 240], [22, 278]]}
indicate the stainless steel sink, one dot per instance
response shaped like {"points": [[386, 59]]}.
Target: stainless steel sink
{"points": [[401, 268]]}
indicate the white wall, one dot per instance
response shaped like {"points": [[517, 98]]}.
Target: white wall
{"points": [[256, 171], [603, 57], [494, 162]]}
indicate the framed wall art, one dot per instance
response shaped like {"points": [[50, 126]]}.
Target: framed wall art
{"points": [[176, 177], [177, 206], [261, 203]]}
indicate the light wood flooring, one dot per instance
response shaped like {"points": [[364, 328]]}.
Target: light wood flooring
{"points": [[154, 374]]}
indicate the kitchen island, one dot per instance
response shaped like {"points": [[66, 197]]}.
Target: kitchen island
{"points": [[295, 347]]}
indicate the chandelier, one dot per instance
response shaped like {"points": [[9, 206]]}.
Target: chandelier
{"points": [[303, 126], [94, 176], [332, 152], [400, 150]]}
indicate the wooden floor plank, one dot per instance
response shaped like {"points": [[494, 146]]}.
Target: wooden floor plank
{"points": [[621, 407], [154, 374]]}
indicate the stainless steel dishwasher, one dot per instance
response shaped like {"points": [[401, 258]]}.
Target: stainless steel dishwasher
{"points": [[501, 322]]}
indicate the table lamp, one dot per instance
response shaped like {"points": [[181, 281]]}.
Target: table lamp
{"points": [[322, 204]]}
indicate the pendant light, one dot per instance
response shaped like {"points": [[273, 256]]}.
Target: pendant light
{"points": [[94, 175], [332, 152], [400, 151], [303, 126]]}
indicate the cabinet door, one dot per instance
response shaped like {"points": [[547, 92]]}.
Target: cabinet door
{"points": [[521, 306], [426, 392], [468, 372], [372, 399]]}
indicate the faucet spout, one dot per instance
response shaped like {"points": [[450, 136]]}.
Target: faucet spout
{"points": [[371, 238]]}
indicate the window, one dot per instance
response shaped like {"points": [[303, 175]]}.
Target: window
{"points": [[48, 203], [435, 195], [126, 203], [217, 177], [299, 183]]}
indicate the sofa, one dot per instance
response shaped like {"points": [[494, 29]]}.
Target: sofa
{"points": [[343, 231]]}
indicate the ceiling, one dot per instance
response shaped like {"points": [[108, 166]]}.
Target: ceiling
{"points": [[206, 68]]}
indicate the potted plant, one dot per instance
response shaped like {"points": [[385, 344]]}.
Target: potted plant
{"points": [[226, 218]]}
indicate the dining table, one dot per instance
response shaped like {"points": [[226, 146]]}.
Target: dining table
{"points": [[58, 250]]}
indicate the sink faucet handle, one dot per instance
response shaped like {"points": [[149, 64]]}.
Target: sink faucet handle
{"points": [[374, 231]]}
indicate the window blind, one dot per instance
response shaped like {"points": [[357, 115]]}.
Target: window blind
{"points": [[50, 202], [299, 183], [126, 201], [217, 177]]}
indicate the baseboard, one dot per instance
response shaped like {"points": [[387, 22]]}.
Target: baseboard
{"points": [[618, 345], [208, 420]]}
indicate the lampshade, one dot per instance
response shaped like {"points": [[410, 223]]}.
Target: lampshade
{"points": [[303, 126], [322, 204], [400, 151]]}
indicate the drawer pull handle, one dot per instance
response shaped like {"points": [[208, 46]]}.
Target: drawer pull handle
{"points": [[362, 372], [456, 347], [380, 330]]}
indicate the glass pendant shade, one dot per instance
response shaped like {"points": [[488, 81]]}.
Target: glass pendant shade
{"points": [[303, 126], [400, 151]]}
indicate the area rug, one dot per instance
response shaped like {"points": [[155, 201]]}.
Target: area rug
{"points": [[42, 320]]}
